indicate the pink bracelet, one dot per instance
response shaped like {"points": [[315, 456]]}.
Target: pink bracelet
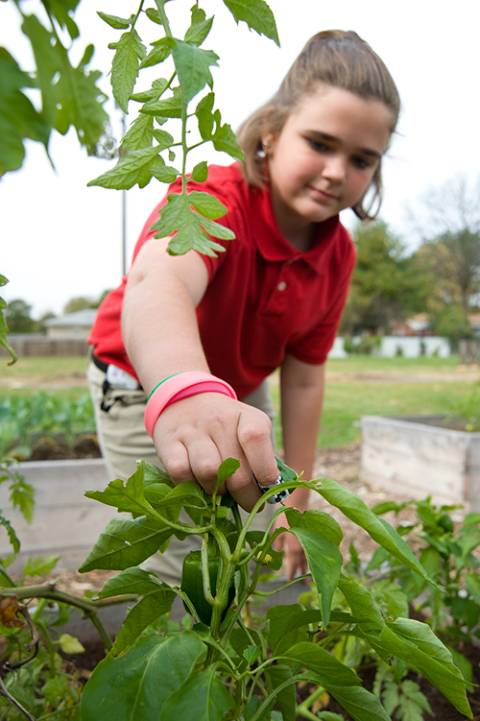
{"points": [[179, 386]]}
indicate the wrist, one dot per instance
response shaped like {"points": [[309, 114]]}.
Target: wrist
{"points": [[178, 386]]}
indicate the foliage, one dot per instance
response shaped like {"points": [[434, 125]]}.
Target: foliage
{"points": [[451, 607], [18, 317], [362, 345], [452, 322], [385, 287], [24, 418]]}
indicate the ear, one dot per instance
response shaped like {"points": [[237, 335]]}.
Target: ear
{"points": [[268, 143]]}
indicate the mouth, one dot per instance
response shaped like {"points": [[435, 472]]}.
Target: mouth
{"points": [[323, 195]]}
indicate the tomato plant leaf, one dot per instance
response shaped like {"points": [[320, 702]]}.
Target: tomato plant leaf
{"points": [[160, 52], [200, 26], [168, 108], [202, 698], [134, 676], [256, 14], [200, 172], [129, 51], [126, 543], [40, 565], [138, 167], [193, 67], [139, 135], [225, 140], [207, 204], [204, 113], [227, 468], [12, 536], [320, 536], [114, 21]]}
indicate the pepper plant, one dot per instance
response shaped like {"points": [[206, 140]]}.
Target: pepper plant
{"points": [[227, 667]]}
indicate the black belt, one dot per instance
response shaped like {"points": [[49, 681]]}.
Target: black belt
{"points": [[101, 365]]}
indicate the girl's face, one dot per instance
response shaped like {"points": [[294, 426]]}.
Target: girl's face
{"points": [[324, 158]]}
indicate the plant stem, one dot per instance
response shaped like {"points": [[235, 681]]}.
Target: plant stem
{"points": [[4, 692], [266, 594]]}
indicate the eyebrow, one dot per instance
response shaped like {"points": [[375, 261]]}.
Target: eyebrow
{"points": [[331, 138]]}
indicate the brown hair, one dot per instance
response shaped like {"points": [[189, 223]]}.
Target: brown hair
{"points": [[334, 57]]}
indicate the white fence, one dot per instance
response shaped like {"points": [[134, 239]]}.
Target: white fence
{"points": [[407, 346]]}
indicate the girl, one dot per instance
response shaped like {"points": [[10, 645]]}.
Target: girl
{"points": [[272, 300]]}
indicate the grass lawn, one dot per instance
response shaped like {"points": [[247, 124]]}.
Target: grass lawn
{"points": [[356, 386]]}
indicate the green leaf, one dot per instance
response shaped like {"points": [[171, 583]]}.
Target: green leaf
{"points": [[12, 536], [70, 644], [158, 54], [326, 667], [418, 646], [126, 543], [22, 497], [257, 15], [200, 172], [199, 28], [193, 68], [202, 698], [168, 108], [126, 60], [158, 87], [191, 229], [130, 582], [225, 140], [359, 703], [329, 716], [134, 677], [139, 134], [381, 531], [320, 536], [138, 167], [114, 21], [79, 103], [40, 565], [208, 205], [163, 138], [227, 468], [185, 495], [127, 496], [144, 613], [286, 699], [284, 622], [205, 117], [48, 61]]}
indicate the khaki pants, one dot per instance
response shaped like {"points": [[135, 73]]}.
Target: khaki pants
{"points": [[123, 441]]}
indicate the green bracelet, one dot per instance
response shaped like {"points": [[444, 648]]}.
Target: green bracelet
{"points": [[162, 381]]}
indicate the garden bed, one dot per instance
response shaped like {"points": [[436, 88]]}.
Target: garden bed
{"points": [[420, 456]]}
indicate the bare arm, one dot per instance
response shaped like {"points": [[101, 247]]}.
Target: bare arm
{"points": [[302, 390], [161, 337]]}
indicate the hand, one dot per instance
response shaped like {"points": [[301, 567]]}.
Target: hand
{"points": [[193, 436], [294, 562]]}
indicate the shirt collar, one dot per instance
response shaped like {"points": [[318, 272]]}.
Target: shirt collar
{"points": [[273, 245]]}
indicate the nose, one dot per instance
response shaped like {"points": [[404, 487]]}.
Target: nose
{"points": [[335, 168]]}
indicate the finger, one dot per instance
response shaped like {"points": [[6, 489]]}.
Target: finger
{"points": [[205, 459], [241, 485], [255, 438], [175, 461]]}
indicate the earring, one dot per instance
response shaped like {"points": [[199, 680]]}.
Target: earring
{"points": [[261, 153]]}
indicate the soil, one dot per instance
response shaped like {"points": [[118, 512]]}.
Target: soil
{"points": [[54, 448]]}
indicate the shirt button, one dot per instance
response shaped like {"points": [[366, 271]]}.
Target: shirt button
{"points": [[282, 285]]}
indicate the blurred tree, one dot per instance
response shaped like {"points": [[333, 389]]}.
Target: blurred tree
{"points": [[450, 253], [19, 318], [386, 286], [77, 303]]}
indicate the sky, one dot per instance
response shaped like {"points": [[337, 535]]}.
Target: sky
{"points": [[60, 239]]}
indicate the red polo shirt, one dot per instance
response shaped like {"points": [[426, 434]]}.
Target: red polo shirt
{"points": [[265, 298]]}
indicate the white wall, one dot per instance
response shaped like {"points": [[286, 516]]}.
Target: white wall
{"points": [[410, 347]]}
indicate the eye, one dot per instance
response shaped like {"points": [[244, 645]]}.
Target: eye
{"points": [[318, 145], [362, 163]]}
